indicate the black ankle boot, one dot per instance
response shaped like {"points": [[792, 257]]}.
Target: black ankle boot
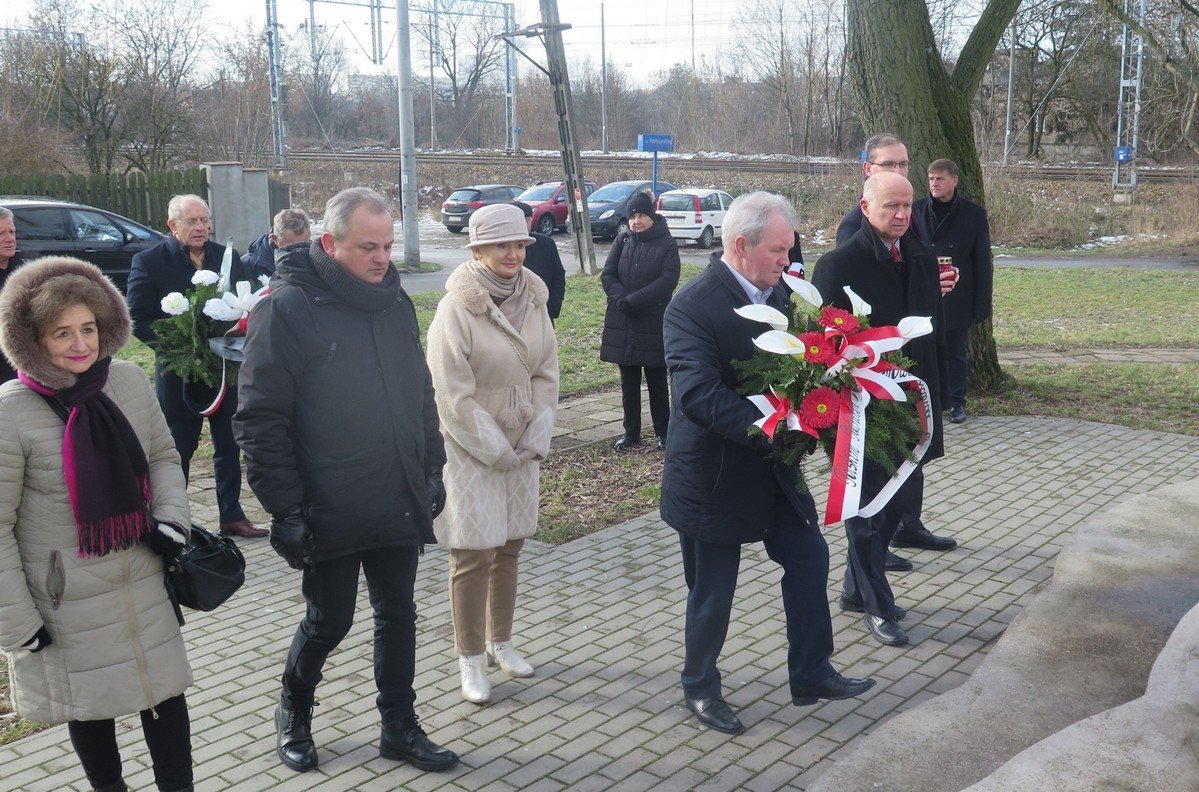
{"points": [[294, 730], [405, 741], [116, 786]]}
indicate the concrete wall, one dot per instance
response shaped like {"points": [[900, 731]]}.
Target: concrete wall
{"points": [[240, 201]]}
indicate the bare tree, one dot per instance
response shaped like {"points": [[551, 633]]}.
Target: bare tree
{"points": [[319, 105], [233, 112]]}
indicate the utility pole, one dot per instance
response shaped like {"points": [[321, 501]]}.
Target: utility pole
{"points": [[1128, 105], [510, 75], [432, 91], [1011, 89], [572, 162], [603, 84], [408, 205], [272, 41]]}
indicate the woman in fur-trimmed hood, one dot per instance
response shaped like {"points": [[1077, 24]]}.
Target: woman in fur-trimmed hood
{"points": [[494, 361], [90, 489]]}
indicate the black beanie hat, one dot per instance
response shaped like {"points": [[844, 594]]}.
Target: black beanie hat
{"points": [[643, 204]]}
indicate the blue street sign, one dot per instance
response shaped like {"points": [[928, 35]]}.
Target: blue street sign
{"points": [[655, 142], [1123, 154]]}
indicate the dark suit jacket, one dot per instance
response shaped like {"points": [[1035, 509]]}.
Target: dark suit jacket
{"points": [[719, 484], [163, 269], [965, 236], [7, 372], [865, 265]]}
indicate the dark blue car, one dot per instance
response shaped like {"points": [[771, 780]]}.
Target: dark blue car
{"points": [[608, 206]]}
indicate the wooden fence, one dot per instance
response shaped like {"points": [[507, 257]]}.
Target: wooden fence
{"points": [[138, 196]]}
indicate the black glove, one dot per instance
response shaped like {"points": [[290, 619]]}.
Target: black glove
{"points": [[40, 640], [622, 305], [291, 538], [167, 539], [436, 492]]}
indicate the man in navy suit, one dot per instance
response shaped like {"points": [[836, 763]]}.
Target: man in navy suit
{"points": [[721, 488], [155, 273]]}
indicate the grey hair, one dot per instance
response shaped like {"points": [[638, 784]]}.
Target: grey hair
{"points": [[750, 213], [292, 220], [881, 140], [175, 207], [5, 213], [341, 206]]}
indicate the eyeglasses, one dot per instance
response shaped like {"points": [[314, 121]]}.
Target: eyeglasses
{"points": [[891, 165], [190, 222]]}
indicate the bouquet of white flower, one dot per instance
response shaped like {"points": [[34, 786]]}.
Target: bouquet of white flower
{"points": [[204, 329]]}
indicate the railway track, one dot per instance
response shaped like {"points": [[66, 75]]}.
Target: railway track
{"points": [[743, 164]]}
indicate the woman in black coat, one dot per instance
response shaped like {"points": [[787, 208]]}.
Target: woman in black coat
{"points": [[639, 278]]}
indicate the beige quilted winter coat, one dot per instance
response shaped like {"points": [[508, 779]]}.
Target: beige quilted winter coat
{"points": [[497, 391], [116, 645]]}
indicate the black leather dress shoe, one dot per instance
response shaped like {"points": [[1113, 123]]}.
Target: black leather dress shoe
{"points": [[662, 442], [885, 631], [834, 688], [922, 538], [715, 713], [957, 415], [406, 741], [628, 441], [293, 729], [894, 563], [857, 606]]}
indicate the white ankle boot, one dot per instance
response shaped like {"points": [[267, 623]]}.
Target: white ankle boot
{"points": [[473, 670], [510, 661]]}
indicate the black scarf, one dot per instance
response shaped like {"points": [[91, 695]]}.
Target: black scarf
{"points": [[356, 293]]}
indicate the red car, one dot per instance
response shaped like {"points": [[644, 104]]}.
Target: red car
{"points": [[550, 209]]}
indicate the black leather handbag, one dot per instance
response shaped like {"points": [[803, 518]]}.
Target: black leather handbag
{"points": [[206, 572]]}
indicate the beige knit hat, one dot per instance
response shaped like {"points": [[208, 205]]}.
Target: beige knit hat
{"points": [[498, 223]]}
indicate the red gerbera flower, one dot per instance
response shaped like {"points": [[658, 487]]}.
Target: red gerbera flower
{"points": [[837, 319], [817, 348], [820, 407]]}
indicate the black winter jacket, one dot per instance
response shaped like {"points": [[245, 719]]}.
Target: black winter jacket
{"points": [[643, 270], [965, 236], [719, 484], [864, 264], [336, 409], [542, 259]]}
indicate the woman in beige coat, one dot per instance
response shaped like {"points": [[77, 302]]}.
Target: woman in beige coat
{"points": [[89, 479], [494, 361]]}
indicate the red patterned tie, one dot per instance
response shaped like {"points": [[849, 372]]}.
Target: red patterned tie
{"points": [[895, 254]]}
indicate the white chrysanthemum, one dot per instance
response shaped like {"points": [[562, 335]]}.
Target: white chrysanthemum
{"points": [[205, 278], [174, 304]]}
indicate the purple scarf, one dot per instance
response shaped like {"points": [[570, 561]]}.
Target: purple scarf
{"points": [[108, 477]]}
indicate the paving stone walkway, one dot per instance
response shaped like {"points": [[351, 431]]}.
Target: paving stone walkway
{"points": [[601, 618]]}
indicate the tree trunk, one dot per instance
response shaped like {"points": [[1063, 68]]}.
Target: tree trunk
{"points": [[903, 87]]}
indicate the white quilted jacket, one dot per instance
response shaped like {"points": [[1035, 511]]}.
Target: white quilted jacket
{"points": [[117, 647], [497, 391]]}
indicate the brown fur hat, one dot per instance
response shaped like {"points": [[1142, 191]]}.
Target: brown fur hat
{"points": [[21, 341]]}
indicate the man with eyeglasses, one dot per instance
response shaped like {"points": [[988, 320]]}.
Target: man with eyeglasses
{"points": [[154, 273], [887, 153]]}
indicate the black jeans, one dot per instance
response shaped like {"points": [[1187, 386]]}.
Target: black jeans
{"points": [[330, 589], [168, 737], [710, 571], [185, 428], [630, 398]]}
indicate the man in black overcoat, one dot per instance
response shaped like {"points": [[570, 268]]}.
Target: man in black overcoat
{"points": [[542, 259], [154, 273], [957, 228], [720, 487], [887, 266], [9, 261]]}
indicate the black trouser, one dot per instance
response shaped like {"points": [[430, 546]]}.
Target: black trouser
{"points": [[710, 571], [868, 538], [330, 589], [185, 428], [630, 398], [959, 366], [168, 737]]}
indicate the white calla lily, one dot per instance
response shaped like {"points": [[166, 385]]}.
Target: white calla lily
{"points": [[174, 304], [807, 291], [779, 343], [243, 300], [765, 314], [221, 311], [915, 326], [860, 306], [205, 278], [265, 280]]}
